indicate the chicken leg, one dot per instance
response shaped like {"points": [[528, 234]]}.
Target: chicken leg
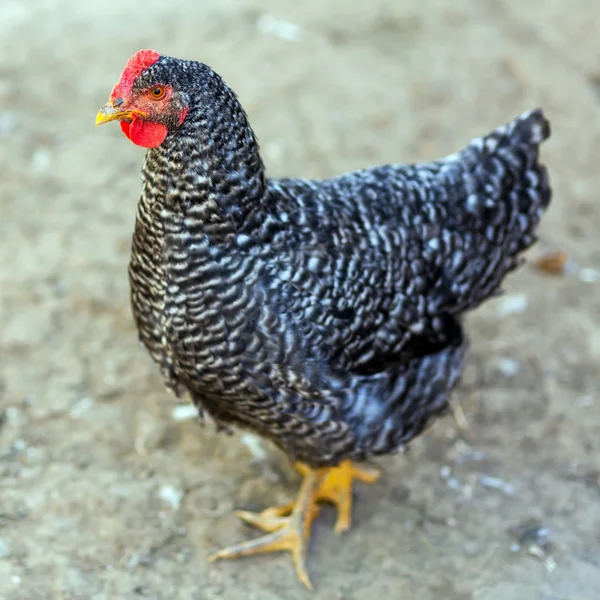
{"points": [[288, 527]]}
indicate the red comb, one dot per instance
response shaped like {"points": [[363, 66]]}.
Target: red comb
{"points": [[133, 69]]}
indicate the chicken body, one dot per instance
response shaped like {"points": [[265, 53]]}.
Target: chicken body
{"points": [[324, 315]]}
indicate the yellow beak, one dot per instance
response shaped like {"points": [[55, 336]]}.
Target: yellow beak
{"points": [[109, 113]]}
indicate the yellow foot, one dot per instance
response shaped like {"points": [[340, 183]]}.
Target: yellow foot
{"points": [[288, 527], [336, 488]]}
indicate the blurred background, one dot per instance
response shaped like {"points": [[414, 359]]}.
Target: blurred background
{"points": [[109, 490]]}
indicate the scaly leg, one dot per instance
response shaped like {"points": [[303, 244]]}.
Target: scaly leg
{"points": [[336, 488], [289, 526]]}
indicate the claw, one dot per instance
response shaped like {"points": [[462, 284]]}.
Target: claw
{"points": [[336, 488], [270, 519], [288, 527]]}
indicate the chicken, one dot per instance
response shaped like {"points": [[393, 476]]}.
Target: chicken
{"points": [[324, 315]]}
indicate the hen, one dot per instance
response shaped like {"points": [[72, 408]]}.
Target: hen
{"points": [[324, 315]]}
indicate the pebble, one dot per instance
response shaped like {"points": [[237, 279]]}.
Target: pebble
{"points": [[509, 367], [184, 412], [589, 276], [286, 30], [8, 123], [487, 481], [445, 472], [171, 495], [41, 160], [254, 444], [81, 407], [451, 481], [4, 551], [19, 445], [13, 417], [554, 263], [535, 539], [512, 305]]}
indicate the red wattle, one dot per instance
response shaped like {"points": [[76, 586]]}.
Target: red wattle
{"points": [[125, 127], [145, 133]]}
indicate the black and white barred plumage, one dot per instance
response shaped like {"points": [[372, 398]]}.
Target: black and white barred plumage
{"points": [[325, 315]]}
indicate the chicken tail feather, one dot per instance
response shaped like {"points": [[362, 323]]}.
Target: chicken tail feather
{"points": [[506, 193]]}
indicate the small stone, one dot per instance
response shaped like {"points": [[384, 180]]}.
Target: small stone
{"points": [[445, 472], [550, 564], [553, 263], [13, 417], [184, 412], [254, 444], [19, 445], [4, 551], [512, 304], [81, 407], [496, 483], [454, 484], [589, 275], [41, 160], [509, 367], [171, 495], [286, 30], [8, 124]]}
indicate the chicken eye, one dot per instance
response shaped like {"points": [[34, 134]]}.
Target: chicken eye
{"points": [[158, 93]]}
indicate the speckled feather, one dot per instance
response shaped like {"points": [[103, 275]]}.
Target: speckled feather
{"points": [[325, 315]]}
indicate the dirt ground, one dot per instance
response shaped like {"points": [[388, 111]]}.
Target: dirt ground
{"points": [[106, 493]]}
